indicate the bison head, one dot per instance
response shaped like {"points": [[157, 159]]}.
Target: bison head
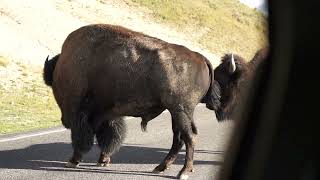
{"points": [[229, 75]]}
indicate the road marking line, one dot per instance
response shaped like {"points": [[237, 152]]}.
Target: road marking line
{"points": [[53, 131], [31, 135]]}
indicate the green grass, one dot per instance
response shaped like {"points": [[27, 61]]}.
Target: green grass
{"points": [[4, 61], [231, 26], [28, 108]]}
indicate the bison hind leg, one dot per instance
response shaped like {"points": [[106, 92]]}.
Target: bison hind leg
{"points": [[82, 136], [110, 135]]}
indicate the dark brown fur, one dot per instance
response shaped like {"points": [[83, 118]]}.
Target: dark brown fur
{"points": [[232, 84], [105, 72]]}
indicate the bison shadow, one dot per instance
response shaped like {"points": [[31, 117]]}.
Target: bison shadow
{"points": [[53, 156]]}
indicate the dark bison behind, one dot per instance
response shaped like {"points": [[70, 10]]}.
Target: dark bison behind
{"points": [[105, 72], [234, 76]]}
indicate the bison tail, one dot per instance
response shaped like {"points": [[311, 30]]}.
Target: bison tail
{"points": [[48, 69]]}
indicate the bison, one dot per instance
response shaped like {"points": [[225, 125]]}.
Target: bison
{"points": [[105, 72], [233, 75]]}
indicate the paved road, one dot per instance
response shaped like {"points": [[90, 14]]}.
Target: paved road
{"points": [[43, 157]]}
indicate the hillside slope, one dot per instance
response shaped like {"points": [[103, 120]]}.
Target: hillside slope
{"points": [[220, 26]]}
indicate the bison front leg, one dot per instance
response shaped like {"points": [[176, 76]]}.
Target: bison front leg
{"points": [[82, 140], [173, 153], [184, 121], [184, 131], [110, 135]]}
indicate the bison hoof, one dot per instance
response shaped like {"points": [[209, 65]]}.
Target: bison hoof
{"points": [[159, 169], [104, 161], [103, 164], [183, 176], [71, 165], [156, 171], [184, 173]]}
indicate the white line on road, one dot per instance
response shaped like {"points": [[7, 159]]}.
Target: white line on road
{"points": [[31, 135], [45, 132]]}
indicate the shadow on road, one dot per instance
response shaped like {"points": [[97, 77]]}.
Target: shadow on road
{"points": [[53, 156]]}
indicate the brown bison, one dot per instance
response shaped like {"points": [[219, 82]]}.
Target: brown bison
{"points": [[234, 75], [105, 72]]}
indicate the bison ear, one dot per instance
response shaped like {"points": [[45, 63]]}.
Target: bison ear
{"points": [[232, 65]]}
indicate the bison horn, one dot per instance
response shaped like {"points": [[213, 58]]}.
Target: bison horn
{"points": [[47, 58], [232, 64]]}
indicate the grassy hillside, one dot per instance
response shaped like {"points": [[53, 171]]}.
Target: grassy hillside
{"points": [[223, 25], [27, 108], [26, 102]]}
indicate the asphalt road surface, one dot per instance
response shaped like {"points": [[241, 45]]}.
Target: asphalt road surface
{"points": [[43, 156]]}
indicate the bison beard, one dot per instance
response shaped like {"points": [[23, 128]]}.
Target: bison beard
{"points": [[105, 72]]}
